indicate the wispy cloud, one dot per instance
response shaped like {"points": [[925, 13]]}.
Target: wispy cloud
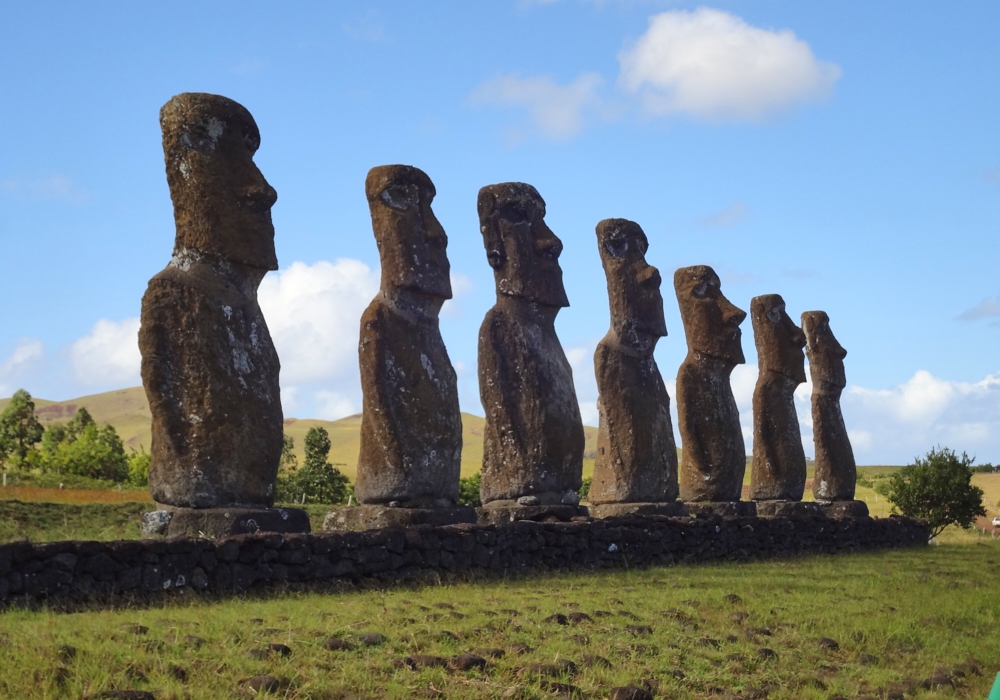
{"points": [[735, 277], [730, 216], [987, 308], [57, 187], [993, 176], [368, 28], [709, 64], [803, 274]]}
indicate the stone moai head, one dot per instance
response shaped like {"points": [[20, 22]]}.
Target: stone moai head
{"points": [[520, 247], [222, 203], [411, 242], [633, 284], [826, 356], [711, 322], [779, 341]]}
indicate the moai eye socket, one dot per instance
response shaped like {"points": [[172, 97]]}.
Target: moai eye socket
{"points": [[700, 290], [775, 313], [616, 247], [398, 198]]}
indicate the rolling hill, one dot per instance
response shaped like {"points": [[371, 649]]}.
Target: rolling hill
{"points": [[128, 411]]}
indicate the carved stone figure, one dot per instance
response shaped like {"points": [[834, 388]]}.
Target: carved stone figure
{"points": [[713, 456], [209, 367], [533, 440], [635, 470], [779, 462], [411, 427], [836, 471]]}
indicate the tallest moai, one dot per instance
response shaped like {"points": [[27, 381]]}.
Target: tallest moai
{"points": [[209, 367]]}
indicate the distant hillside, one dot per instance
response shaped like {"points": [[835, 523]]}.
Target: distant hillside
{"points": [[128, 411]]}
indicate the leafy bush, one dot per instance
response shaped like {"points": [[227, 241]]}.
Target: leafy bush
{"points": [[317, 479], [584, 489], [468, 490], [138, 468], [936, 488]]}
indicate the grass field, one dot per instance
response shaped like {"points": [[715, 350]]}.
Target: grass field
{"points": [[895, 619]]}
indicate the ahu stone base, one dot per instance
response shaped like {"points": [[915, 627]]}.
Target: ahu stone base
{"points": [[844, 509], [371, 517], [725, 509], [222, 522], [502, 515], [672, 509], [788, 509]]}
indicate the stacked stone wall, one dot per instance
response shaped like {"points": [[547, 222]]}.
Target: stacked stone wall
{"points": [[83, 572]]}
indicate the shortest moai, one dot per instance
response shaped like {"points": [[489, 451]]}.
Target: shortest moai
{"points": [[778, 476], [713, 456], [209, 367], [411, 426], [533, 439], [635, 469], [836, 472]]}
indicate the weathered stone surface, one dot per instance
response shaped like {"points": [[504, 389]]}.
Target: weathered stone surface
{"points": [[533, 440], [222, 522], [713, 456], [779, 462], [512, 513], [208, 364], [788, 509], [369, 517], [636, 459], [844, 509], [724, 509], [672, 509], [154, 523], [836, 471], [411, 427]]}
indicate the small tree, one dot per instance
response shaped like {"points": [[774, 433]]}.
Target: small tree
{"points": [[937, 488], [468, 490], [289, 460], [84, 448], [320, 481], [20, 430], [138, 467]]}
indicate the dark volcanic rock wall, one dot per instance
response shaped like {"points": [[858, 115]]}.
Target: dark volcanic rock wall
{"points": [[97, 571]]}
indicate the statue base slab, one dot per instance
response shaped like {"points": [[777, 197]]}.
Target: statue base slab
{"points": [[369, 517], [501, 515], [672, 509], [844, 509], [788, 509], [222, 522], [725, 509]]}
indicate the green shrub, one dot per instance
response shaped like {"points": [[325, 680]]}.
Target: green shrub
{"points": [[468, 490]]}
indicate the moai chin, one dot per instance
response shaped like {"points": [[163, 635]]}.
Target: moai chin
{"points": [[209, 367], [635, 470], [411, 426], [533, 439], [836, 471], [779, 462], [713, 455]]}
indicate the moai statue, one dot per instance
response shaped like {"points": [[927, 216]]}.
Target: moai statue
{"points": [[836, 472], [533, 440], [635, 470], [713, 456], [209, 367], [411, 427], [778, 476]]}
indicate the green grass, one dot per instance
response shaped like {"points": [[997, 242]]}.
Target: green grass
{"points": [[914, 611]]}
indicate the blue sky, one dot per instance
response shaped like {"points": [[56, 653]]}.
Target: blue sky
{"points": [[845, 155]]}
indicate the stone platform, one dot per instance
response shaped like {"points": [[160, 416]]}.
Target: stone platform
{"points": [[222, 522], [371, 517], [844, 509], [725, 509], [502, 515], [672, 509], [788, 509]]}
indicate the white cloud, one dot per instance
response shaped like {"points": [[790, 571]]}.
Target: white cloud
{"points": [[109, 355], [987, 308], [313, 313], [710, 64], [26, 356], [56, 186], [558, 111], [730, 216]]}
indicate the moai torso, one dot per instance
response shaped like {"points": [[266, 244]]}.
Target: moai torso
{"points": [[836, 471], [636, 457], [209, 367], [779, 462], [713, 454], [533, 440], [411, 426]]}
